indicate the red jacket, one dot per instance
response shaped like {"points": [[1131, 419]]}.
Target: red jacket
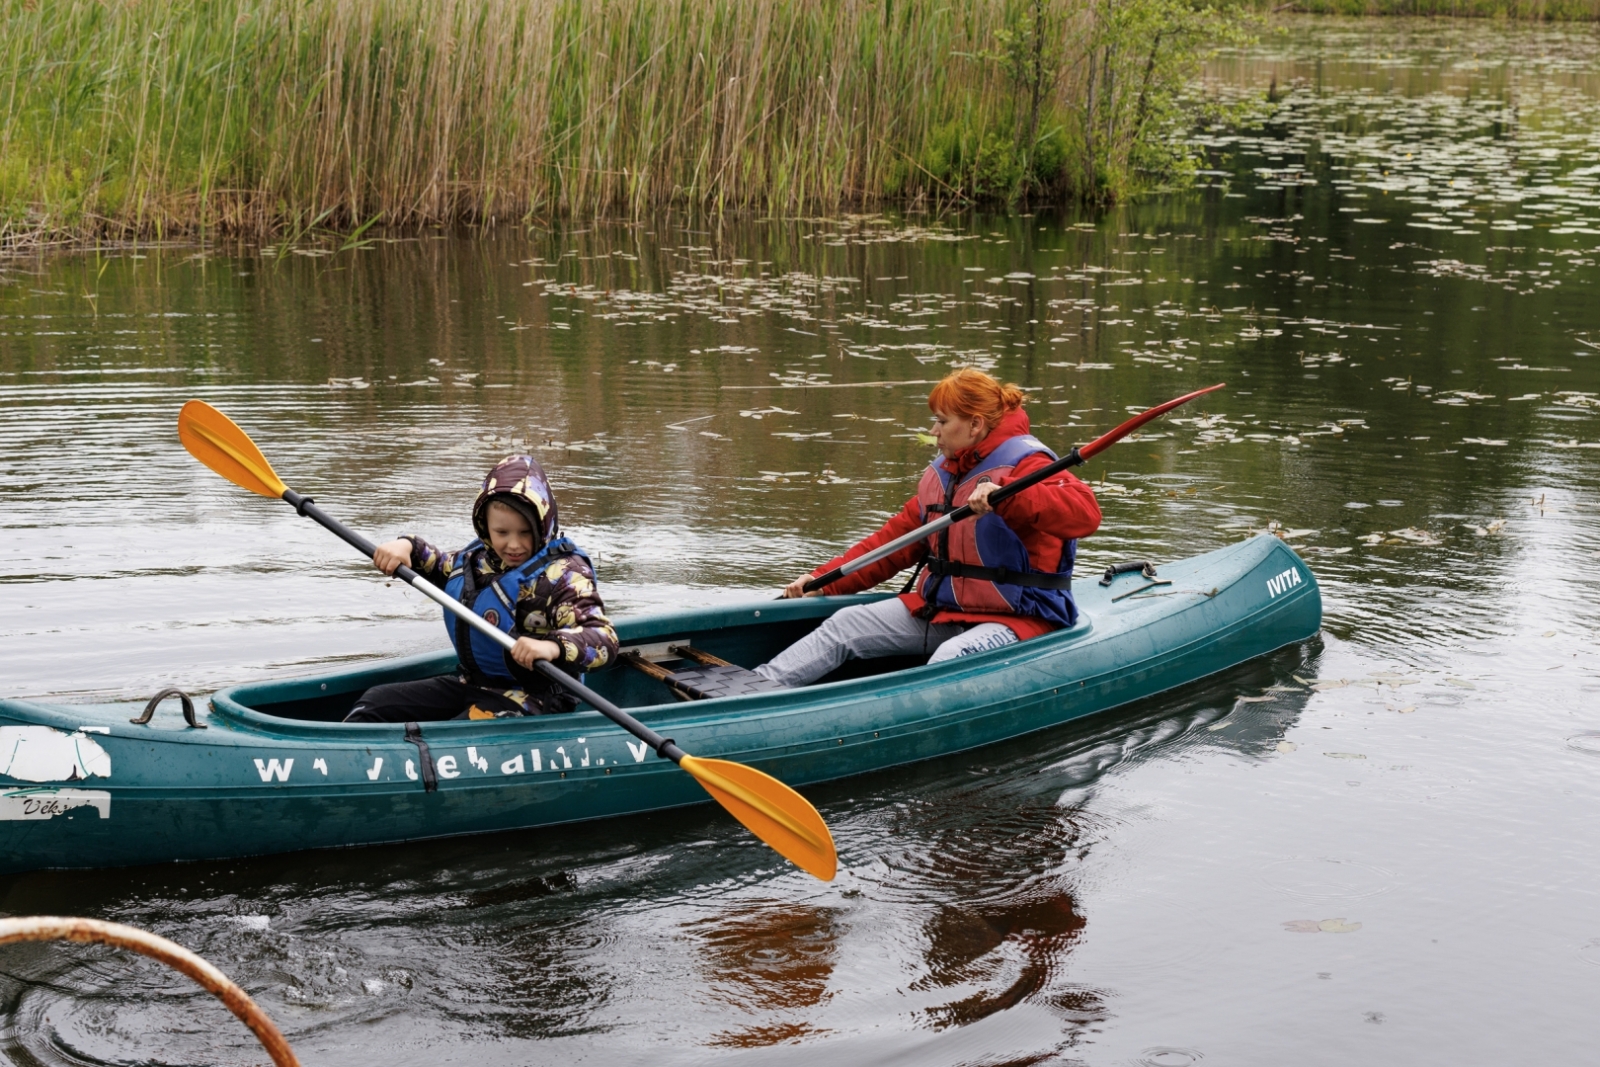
{"points": [[1045, 517]]}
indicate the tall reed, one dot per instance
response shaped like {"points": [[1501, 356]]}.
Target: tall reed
{"points": [[255, 116]]}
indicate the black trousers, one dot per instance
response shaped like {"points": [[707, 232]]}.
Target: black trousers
{"points": [[427, 700]]}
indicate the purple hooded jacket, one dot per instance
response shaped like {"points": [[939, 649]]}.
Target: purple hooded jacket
{"points": [[563, 606]]}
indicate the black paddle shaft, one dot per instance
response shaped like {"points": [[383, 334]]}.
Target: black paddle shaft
{"points": [[308, 507], [1010, 489], [665, 747]]}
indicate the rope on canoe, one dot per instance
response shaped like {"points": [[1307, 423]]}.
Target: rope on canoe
{"points": [[188, 708], [93, 931]]}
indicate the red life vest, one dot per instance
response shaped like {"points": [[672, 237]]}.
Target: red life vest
{"points": [[981, 566]]}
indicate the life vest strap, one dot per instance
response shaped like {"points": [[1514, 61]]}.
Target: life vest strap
{"points": [[916, 573], [1002, 575], [463, 642], [430, 780]]}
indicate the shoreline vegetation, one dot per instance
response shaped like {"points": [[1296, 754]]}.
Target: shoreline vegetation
{"points": [[278, 119], [1520, 10], [264, 118]]}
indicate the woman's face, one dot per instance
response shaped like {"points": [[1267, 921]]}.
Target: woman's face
{"points": [[956, 434]]}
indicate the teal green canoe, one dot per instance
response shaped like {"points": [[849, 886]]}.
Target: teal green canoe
{"points": [[273, 769]]}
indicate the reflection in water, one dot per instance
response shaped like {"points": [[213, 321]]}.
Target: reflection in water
{"points": [[971, 944], [999, 863], [768, 961], [1413, 397]]}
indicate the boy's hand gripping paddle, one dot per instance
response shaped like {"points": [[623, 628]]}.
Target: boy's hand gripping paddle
{"points": [[1010, 489], [771, 810]]}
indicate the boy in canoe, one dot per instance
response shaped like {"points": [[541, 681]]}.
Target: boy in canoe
{"points": [[521, 575], [984, 583]]}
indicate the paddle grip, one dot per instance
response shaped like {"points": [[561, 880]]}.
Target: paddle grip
{"points": [[308, 507], [825, 578]]}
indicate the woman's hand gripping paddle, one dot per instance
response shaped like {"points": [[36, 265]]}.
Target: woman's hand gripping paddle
{"points": [[1010, 489], [771, 810]]}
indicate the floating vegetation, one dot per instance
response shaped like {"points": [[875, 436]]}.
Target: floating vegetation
{"points": [[1460, 397], [1457, 166], [1323, 926]]}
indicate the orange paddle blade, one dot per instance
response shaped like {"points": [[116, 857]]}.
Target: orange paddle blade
{"points": [[772, 811], [216, 440]]}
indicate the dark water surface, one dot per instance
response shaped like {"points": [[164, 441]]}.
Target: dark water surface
{"points": [[1377, 848]]}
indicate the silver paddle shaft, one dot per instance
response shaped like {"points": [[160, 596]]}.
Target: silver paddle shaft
{"points": [[455, 607], [920, 533]]}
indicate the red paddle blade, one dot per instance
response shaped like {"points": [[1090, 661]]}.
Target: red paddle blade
{"points": [[1106, 440]]}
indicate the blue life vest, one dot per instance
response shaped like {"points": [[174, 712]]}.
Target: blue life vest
{"points": [[981, 565], [483, 659]]}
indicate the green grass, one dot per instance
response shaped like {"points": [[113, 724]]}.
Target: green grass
{"points": [[161, 117]]}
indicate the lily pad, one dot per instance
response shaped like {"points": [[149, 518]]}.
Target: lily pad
{"points": [[1321, 926]]}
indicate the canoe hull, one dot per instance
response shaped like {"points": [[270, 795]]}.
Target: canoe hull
{"points": [[255, 783]]}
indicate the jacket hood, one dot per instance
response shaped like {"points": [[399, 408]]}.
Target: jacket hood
{"points": [[1012, 424], [520, 482]]}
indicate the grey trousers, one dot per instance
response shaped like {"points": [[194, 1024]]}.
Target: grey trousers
{"points": [[886, 628]]}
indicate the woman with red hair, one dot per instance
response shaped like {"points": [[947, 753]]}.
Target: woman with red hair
{"points": [[1000, 578]]}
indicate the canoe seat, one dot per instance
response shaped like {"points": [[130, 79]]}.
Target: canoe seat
{"points": [[713, 677]]}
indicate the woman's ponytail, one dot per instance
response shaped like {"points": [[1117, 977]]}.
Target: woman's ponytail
{"points": [[968, 392]]}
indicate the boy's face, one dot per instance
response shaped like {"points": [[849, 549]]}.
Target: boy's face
{"points": [[509, 534]]}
